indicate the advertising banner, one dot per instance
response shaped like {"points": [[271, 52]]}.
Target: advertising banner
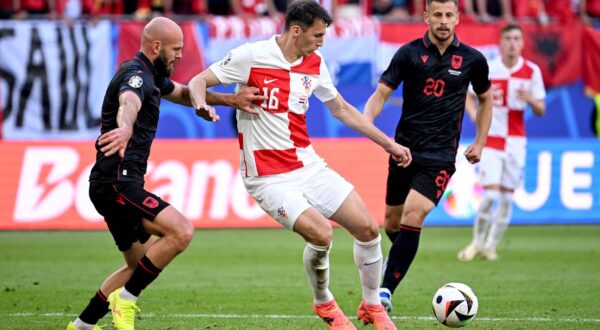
{"points": [[45, 185]]}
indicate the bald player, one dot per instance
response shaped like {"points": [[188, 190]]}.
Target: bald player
{"points": [[130, 113]]}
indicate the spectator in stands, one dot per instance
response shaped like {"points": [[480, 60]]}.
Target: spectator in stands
{"points": [[185, 7], [391, 9], [253, 8], [561, 10], [346, 8], [525, 10], [491, 10], [465, 7], [245, 8], [25, 8], [7, 9], [107, 7], [218, 7], [589, 10]]}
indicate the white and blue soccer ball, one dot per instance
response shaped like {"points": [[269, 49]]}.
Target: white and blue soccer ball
{"points": [[455, 305]]}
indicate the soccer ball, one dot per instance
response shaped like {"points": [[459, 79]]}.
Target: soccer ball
{"points": [[455, 305]]}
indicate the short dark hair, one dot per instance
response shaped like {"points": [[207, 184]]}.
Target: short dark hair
{"points": [[304, 13], [443, 1], [510, 27]]}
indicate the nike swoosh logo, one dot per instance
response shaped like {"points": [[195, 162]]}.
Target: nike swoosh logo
{"points": [[370, 263], [268, 81]]}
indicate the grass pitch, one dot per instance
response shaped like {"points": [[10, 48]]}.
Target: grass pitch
{"points": [[548, 277]]}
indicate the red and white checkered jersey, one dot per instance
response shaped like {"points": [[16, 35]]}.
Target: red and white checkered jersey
{"points": [[507, 131], [276, 140]]}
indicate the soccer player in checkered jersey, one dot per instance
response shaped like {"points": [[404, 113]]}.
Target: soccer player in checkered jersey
{"points": [[436, 71], [516, 83], [279, 166]]}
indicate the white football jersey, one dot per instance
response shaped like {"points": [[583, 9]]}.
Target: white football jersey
{"points": [[276, 140], [507, 131]]}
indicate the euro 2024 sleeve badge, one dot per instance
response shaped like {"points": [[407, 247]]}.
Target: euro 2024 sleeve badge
{"points": [[136, 82]]}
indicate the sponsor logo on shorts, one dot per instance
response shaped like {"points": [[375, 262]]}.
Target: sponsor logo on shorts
{"points": [[282, 214], [441, 181], [150, 202]]}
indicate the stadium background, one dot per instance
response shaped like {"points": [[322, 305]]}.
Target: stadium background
{"points": [[54, 74]]}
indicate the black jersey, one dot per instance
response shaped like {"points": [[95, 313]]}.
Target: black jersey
{"points": [[137, 75], [434, 92]]}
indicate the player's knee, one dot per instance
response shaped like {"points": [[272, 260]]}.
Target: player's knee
{"points": [[370, 231], [413, 218], [489, 198], [183, 236], [325, 238], [505, 206], [321, 237], [391, 228], [392, 221]]}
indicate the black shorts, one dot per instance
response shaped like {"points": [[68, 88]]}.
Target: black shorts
{"points": [[123, 206], [429, 178]]}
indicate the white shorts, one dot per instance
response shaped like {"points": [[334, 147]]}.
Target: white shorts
{"points": [[285, 196], [501, 168]]}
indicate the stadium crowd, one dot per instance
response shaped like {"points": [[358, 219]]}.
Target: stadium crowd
{"points": [[542, 11]]}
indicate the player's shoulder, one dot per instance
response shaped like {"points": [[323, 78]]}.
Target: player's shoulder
{"points": [[496, 63], [134, 74], [413, 44], [471, 51], [532, 65], [134, 66], [259, 46]]}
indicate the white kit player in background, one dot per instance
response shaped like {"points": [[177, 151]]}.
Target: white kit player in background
{"points": [[279, 166], [516, 83]]}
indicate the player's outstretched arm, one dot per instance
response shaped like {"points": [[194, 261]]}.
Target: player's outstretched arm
{"points": [[197, 90], [376, 101], [348, 115], [116, 140], [483, 120], [241, 100]]}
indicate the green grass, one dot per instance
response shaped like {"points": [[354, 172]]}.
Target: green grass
{"points": [[548, 277]]}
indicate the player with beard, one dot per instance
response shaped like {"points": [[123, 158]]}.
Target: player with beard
{"points": [[130, 113], [436, 70]]}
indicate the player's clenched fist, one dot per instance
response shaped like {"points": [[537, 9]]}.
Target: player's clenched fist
{"points": [[400, 154]]}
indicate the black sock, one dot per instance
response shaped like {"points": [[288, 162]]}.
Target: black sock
{"points": [[95, 310], [143, 275], [402, 253], [392, 235]]}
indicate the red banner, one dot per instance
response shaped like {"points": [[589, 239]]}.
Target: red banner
{"points": [[591, 65], [472, 34], [192, 61], [45, 185], [557, 49]]}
